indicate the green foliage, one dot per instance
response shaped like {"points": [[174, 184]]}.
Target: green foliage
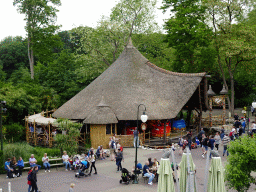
{"points": [[153, 47], [2, 170], [24, 150], [189, 35], [15, 132], [69, 141], [13, 54], [241, 163]]}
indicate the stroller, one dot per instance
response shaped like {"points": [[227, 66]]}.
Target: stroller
{"points": [[83, 169], [126, 176]]}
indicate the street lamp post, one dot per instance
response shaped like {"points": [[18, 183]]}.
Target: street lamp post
{"points": [[144, 118]]}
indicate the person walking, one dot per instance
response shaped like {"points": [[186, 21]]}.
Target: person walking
{"points": [[29, 178], [92, 161], [34, 179], [112, 147], [211, 144], [119, 158], [136, 137], [200, 136], [205, 145], [71, 189], [217, 140], [225, 142]]}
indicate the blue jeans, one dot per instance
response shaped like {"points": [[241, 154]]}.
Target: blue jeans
{"points": [[150, 176], [29, 188], [212, 147], [46, 166], [119, 165], [67, 164], [134, 141], [225, 149]]}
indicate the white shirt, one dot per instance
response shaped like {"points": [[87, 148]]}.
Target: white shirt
{"points": [[46, 159], [65, 158]]}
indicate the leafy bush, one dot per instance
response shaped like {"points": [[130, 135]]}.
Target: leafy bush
{"points": [[15, 132], [69, 141], [241, 163], [24, 150], [2, 170]]}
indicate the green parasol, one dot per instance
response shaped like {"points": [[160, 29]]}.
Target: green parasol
{"points": [[165, 178], [184, 171], [216, 176]]}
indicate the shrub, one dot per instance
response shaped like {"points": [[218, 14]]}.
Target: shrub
{"points": [[2, 170], [15, 132], [24, 150], [69, 141]]}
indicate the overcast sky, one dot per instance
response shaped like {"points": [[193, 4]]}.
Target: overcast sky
{"points": [[72, 13]]}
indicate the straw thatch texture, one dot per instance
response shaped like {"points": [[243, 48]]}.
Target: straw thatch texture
{"points": [[132, 80]]}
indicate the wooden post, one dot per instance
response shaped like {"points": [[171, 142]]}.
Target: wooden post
{"points": [[165, 132], [144, 137], [35, 132], [49, 135], [149, 138], [201, 108], [27, 129]]}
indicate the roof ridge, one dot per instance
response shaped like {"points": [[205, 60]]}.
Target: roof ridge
{"points": [[174, 73]]}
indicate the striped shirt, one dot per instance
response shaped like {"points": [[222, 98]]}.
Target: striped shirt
{"points": [[226, 140]]}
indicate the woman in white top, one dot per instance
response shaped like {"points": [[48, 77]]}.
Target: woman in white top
{"points": [[65, 159], [46, 163], [92, 160]]}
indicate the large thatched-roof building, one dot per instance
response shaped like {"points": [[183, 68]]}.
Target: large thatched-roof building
{"points": [[132, 80]]}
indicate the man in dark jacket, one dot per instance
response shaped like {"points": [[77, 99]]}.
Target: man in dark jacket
{"points": [[119, 158], [34, 179]]}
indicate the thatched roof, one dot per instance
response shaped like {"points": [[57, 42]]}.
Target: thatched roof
{"points": [[132, 80], [101, 114]]}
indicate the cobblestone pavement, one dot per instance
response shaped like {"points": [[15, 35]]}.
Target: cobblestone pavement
{"points": [[107, 179]]}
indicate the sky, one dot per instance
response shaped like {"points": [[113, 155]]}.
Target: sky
{"points": [[72, 13]]}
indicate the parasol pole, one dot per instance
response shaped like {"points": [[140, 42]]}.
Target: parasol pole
{"points": [[175, 171], [206, 171]]}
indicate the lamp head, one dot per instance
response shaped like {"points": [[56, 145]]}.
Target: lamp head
{"points": [[144, 117]]}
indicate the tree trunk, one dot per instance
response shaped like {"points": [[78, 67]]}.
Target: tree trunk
{"points": [[31, 58], [232, 95]]}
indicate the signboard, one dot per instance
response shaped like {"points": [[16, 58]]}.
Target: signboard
{"points": [[143, 126]]}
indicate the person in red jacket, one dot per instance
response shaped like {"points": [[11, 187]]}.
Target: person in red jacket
{"points": [[29, 178]]}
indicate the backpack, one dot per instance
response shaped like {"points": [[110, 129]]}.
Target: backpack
{"points": [[30, 176], [113, 144]]}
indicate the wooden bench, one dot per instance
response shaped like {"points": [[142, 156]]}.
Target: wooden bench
{"points": [[55, 163]]}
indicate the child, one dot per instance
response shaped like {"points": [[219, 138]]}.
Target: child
{"points": [[71, 189], [76, 163], [29, 178]]}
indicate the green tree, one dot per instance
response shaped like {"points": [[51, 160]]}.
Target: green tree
{"points": [[108, 39], [40, 16], [189, 35], [13, 54], [234, 43], [241, 163], [69, 140]]}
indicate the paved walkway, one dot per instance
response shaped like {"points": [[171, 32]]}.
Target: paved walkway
{"points": [[106, 180]]}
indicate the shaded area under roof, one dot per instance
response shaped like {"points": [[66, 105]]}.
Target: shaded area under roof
{"points": [[132, 80]]}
